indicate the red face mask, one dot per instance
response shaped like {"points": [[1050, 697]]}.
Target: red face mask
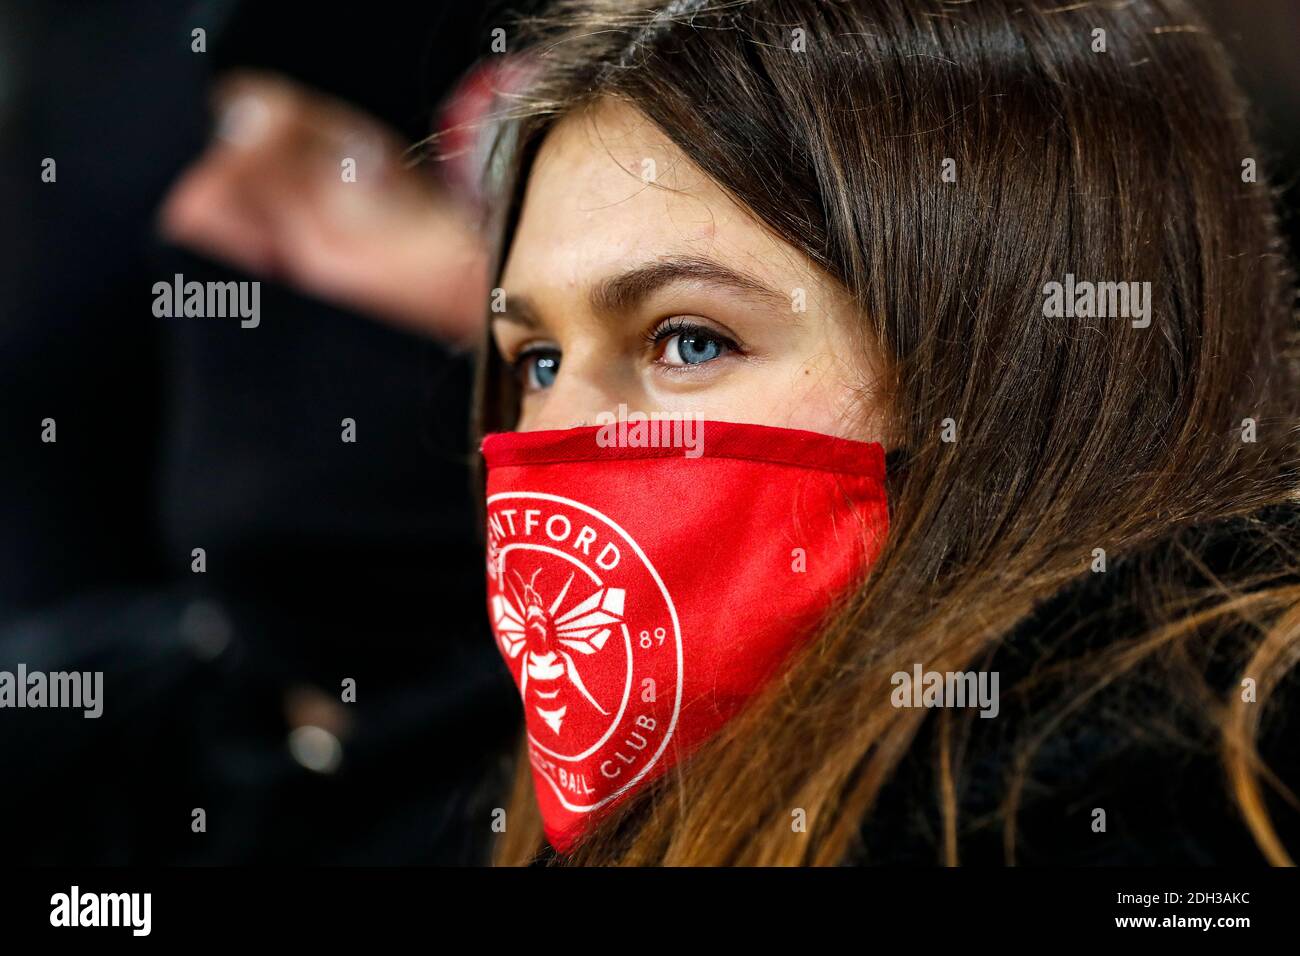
{"points": [[640, 596]]}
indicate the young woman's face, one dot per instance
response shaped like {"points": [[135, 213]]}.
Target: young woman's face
{"points": [[634, 280]]}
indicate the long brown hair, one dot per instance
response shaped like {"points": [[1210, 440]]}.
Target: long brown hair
{"points": [[1113, 156]]}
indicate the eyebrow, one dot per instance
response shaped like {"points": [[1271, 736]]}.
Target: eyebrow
{"points": [[627, 290], [624, 292]]}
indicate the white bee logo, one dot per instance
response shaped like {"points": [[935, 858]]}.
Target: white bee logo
{"points": [[549, 636]]}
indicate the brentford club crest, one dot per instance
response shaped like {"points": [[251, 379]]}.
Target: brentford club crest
{"points": [[591, 637]]}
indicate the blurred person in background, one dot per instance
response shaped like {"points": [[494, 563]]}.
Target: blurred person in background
{"points": [[288, 616]]}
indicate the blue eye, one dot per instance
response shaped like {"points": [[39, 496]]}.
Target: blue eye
{"points": [[692, 345], [537, 369]]}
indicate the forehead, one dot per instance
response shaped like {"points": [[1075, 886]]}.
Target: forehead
{"points": [[608, 187]]}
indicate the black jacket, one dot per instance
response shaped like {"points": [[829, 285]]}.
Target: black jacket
{"points": [[1143, 749]]}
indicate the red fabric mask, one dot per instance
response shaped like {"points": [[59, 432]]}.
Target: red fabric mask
{"points": [[641, 596]]}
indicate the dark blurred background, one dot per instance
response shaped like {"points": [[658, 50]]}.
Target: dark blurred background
{"points": [[324, 561]]}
